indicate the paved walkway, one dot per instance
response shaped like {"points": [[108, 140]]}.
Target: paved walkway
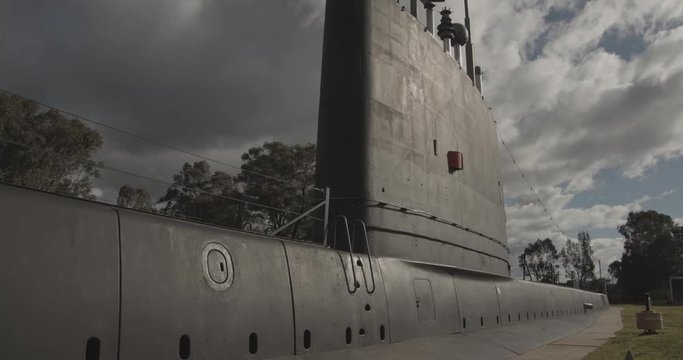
{"points": [[575, 347]]}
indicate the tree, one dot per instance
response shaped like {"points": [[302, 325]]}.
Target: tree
{"points": [[46, 150], [294, 164], [539, 260], [577, 259], [133, 198], [653, 250], [200, 194], [614, 269]]}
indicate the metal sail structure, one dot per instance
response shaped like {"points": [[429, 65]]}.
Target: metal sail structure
{"points": [[415, 262]]}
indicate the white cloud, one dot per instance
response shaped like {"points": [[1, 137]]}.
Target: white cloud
{"points": [[312, 11], [607, 250], [527, 221], [557, 101], [569, 108]]}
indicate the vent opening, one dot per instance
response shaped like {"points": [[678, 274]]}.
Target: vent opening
{"points": [[92, 349], [307, 339], [184, 347], [253, 343]]}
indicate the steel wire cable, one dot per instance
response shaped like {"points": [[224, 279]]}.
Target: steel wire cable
{"points": [[143, 138], [537, 200], [143, 177]]}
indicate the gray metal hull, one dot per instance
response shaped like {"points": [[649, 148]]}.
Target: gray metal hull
{"points": [[75, 270]]}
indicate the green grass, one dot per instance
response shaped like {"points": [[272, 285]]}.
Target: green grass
{"points": [[667, 344]]}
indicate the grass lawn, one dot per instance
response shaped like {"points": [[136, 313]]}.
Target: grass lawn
{"points": [[667, 344]]}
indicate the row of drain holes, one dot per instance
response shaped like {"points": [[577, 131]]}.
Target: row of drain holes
{"points": [[184, 343], [92, 347], [519, 316]]}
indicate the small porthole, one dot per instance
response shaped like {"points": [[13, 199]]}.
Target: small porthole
{"points": [[348, 335], [92, 349], [361, 332], [307, 339], [367, 307], [253, 343], [184, 347], [382, 335]]}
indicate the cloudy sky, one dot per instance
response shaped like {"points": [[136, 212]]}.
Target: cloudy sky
{"points": [[587, 94]]}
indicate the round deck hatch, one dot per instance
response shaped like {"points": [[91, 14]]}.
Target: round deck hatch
{"points": [[218, 269]]}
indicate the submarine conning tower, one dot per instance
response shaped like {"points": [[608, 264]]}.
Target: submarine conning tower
{"points": [[406, 142]]}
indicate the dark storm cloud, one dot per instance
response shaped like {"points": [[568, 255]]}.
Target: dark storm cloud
{"points": [[193, 73]]}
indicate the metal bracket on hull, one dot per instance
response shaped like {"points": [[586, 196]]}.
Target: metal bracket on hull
{"points": [[361, 224], [351, 242], [352, 289], [325, 203]]}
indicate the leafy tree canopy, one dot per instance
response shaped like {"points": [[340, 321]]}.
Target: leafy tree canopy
{"points": [[278, 176], [200, 194], [577, 259], [134, 198], [539, 260], [653, 250], [45, 150], [295, 164]]}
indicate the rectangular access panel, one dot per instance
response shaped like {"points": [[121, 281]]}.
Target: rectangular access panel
{"points": [[424, 300]]}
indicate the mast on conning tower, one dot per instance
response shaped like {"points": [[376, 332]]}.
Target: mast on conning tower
{"points": [[469, 51]]}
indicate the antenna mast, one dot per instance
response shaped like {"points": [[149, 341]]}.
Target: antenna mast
{"points": [[469, 51]]}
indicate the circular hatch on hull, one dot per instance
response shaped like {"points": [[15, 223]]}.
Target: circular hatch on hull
{"points": [[218, 269]]}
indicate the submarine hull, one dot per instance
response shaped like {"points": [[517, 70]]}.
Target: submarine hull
{"points": [[143, 286]]}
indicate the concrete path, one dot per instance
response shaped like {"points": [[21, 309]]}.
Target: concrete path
{"points": [[575, 347]]}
